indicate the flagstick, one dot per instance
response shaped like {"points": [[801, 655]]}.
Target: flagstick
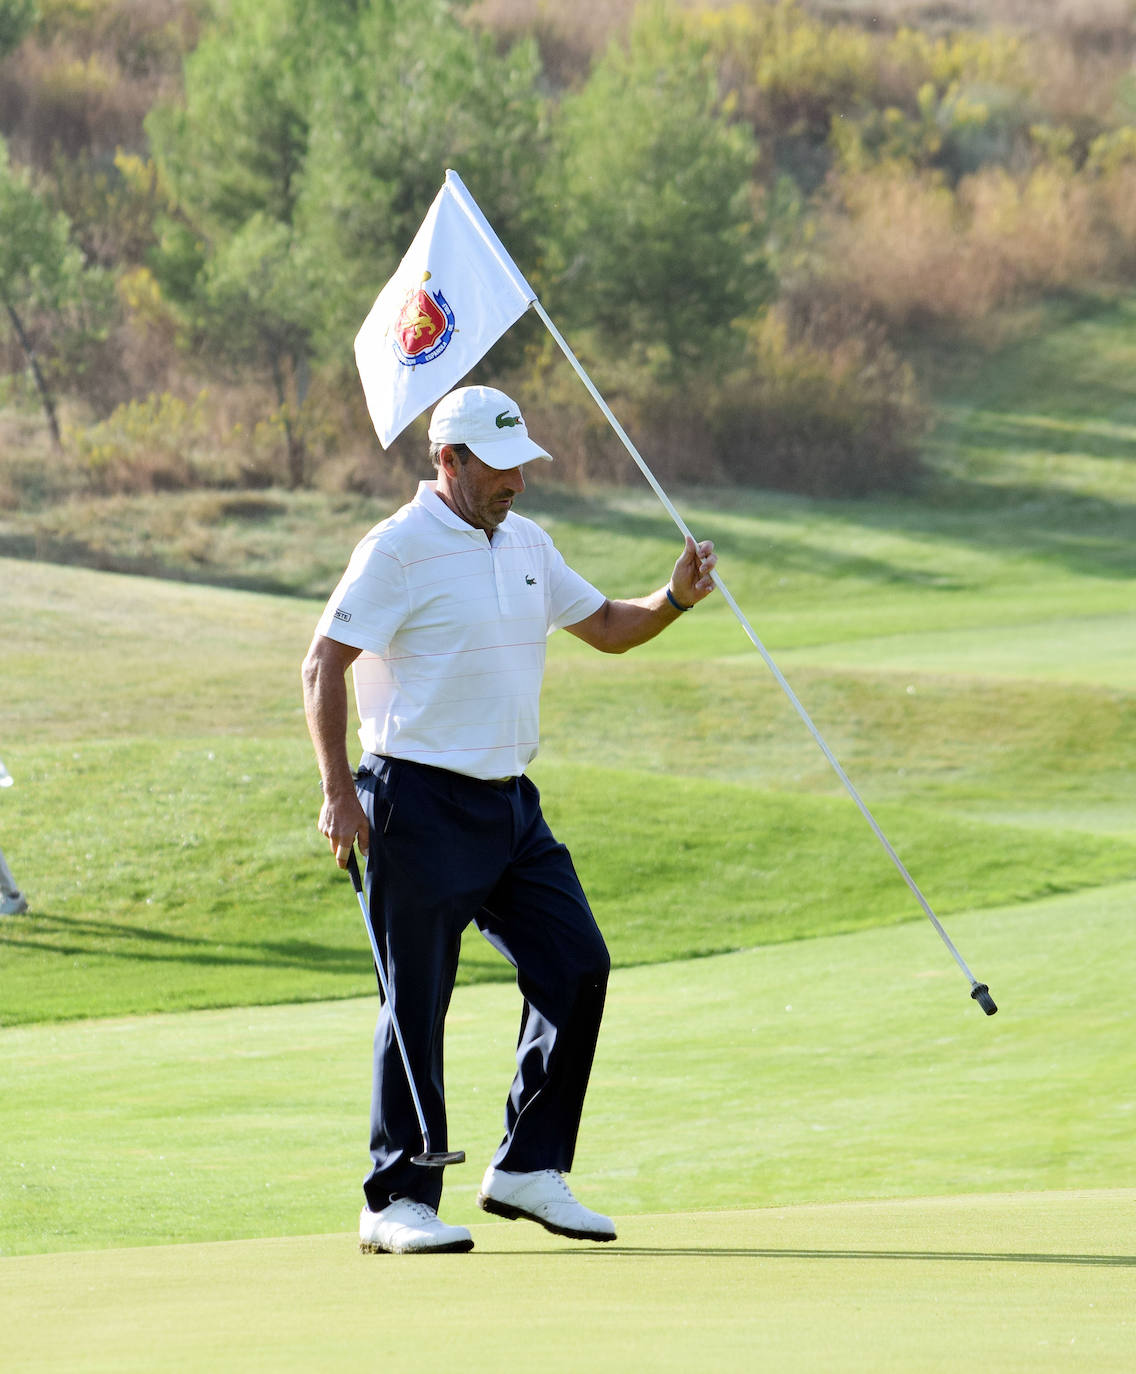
{"points": [[761, 649]]}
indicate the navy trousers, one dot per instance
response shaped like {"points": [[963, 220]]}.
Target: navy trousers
{"points": [[447, 850]]}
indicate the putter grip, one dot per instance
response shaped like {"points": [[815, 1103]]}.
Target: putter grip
{"points": [[981, 994], [356, 878]]}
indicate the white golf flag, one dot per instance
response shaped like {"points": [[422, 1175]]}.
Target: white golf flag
{"points": [[455, 293]]}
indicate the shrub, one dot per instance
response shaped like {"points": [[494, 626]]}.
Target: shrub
{"points": [[913, 251], [83, 82], [142, 446], [793, 72], [653, 232], [827, 408]]}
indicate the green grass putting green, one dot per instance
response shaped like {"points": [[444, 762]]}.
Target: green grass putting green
{"points": [[823, 1070], [1016, 1283]]}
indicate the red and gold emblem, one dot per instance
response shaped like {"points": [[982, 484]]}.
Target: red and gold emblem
{"points": [[423, 327]]}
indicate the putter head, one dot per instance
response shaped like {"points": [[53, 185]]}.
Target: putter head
{"points": [[438, 1159]]}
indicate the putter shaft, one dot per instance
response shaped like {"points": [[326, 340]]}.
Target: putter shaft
{"points": [[428, 1159]]}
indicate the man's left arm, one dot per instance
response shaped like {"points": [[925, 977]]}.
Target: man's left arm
{"points": [[620, 625]]}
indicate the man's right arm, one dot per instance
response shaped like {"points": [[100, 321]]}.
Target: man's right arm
{"points": [[342, 819]]}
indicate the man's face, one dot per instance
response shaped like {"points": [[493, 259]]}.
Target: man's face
{"points": [[481, 495]]}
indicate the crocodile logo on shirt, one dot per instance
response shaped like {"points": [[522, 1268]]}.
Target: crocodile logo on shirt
{"points": [[530, 580]]}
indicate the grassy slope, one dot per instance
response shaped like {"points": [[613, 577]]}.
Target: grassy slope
{"points": [[163, 818]]}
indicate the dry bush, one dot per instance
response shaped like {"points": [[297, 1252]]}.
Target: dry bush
{"points": [[32, 473], [568, 38], [1116, 194], [146, 341], [892, 243], [913, 252], [558, 408], [55, 102], [820, 404], [228, 437], [85, 79], [1077, 84], [828, 409], [1038, 234]]}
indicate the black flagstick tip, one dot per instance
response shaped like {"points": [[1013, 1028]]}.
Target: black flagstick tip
{"points": [[981, 994]]}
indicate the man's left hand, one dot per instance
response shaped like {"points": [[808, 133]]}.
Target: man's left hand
{"points": [[691, 580]]}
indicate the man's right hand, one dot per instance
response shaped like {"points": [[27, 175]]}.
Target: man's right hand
{"points": [[344, 822], [342, 818]]}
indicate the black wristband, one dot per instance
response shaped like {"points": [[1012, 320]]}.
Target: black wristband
{"points": [[675, 601]]}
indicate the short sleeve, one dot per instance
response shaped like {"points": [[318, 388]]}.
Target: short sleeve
{"points": [[572, 598], [371, 601]]}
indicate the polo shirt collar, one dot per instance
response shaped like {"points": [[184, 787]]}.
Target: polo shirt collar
{"points": [[429, 500]]}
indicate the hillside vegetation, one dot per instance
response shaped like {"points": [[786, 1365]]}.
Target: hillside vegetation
{"points": [[758, 223]]}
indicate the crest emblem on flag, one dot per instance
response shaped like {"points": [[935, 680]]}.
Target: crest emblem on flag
{"points": [[423, 328], [412, 323]]}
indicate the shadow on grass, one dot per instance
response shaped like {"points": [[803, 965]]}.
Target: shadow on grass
{"points": [[85, 936], [77, 553], [1086, 534], [933, 1256], [1031, 434]]}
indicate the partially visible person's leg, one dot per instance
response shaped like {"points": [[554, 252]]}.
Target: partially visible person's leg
{"points": [[12, 900]]}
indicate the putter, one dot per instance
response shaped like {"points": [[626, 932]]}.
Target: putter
{"points": [[428, 1159]]}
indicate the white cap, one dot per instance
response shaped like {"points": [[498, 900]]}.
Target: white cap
{"points": [[489, 423]]}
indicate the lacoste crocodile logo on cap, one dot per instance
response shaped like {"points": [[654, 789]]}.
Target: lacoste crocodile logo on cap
{"points": [[507, 421]]}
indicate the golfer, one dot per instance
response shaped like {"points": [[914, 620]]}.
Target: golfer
{"points": [[443, 615]]}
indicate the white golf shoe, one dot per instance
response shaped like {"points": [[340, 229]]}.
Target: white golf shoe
{"points": [[410, 1228], [15, 905], [543, 1197]]}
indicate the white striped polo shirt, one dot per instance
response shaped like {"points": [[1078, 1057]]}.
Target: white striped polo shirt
{"points": [[453, 629]]}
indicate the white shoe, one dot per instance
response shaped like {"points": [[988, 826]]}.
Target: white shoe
{"points": [[15, 905], [407, 1227], [543, 1197]]}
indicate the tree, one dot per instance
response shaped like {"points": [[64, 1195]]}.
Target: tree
{"points": [[46, 290], [312, 139], [255, 310], [652, 222], [230, 161], [16, 19], [410, 91]]}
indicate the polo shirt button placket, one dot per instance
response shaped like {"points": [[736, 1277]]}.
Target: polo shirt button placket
{"points": [[503, 597]]}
